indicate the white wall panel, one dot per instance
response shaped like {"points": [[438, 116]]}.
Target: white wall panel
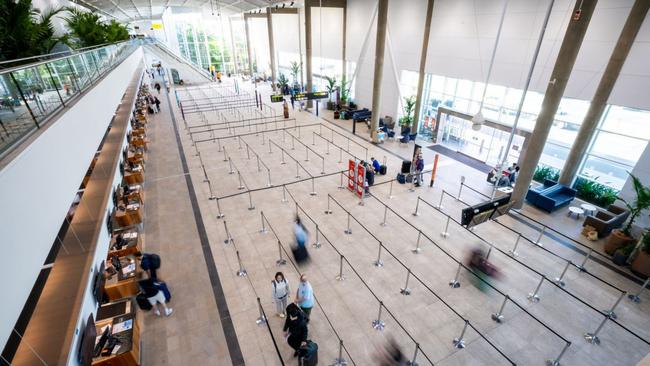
{"points": [[41, 182], [285, 32]]}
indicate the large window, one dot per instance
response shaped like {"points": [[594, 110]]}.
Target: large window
{"points": [[621, 137]]}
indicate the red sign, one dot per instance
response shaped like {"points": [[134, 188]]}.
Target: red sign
{"points": [[361, 178], [351, 168]]}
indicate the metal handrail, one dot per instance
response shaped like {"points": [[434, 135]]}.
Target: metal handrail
{"points": [[182, 59]]}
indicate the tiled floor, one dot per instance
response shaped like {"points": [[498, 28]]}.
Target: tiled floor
{"points": [[432, 316]]}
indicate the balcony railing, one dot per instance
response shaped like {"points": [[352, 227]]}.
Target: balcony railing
{"points": [[30, 94]]}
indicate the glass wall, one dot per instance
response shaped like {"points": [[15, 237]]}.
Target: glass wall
{"points": [[622, 134]]}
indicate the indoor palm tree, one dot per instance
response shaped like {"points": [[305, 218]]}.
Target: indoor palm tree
{"points": [[25, 31], [331, 88], [115, 32], [344, 88], [295, 70], [408, 109], [636, 206], [85, 27]]}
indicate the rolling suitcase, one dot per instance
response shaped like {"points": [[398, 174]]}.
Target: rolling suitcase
{"points": [[383, 169], [143, 303], [308, 354]]}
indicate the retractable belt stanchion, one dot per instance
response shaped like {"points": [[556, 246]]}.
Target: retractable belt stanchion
{"points": [[229, 238], [610, 313], [241, 272], [281, 261], [328, 211], [460, 189], [317, 243], [460, 342], [340, 276], [340, 361], [413, 362], [379, 324], [241, 185], [406, 290], [556, 361], [220, 214], [581, 266], [262, 319], [455, 283], [445, 233], [225, 155], [417, 205], [534, 296], [250, 201], [390, 192], [313, 188], [348, 230], [539, 238], [231, 171], [383, 223], [442, 195], [498, 316], [636, 297], [560, 280], [379, 263], [263, 230], [417, 244], [593, 337], [513, 252]]}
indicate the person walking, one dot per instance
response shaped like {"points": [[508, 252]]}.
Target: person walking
{"points": [[155, 296], [150, 263], [157, 102], [419, 167], [280, 293], [300, 253], [305, 296], [157, 86], [295, 328]]}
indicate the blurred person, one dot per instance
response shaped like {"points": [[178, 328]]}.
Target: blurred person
{"points": [[155, 295], [301, 234], [305, 296], [419, 168], [375, 165], [392, 355], [295, 328], [280, 293], [484, 271]]}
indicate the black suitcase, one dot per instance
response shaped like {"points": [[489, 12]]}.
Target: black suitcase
{"points": [[143, 303], [308, 354], [383, 169]]}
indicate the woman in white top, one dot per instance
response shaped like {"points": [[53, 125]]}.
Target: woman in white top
{"points": [[280, 293]]}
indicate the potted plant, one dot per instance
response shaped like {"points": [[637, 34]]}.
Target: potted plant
{"points": [[641, 263], [331, 88], [283, 83], [344, 90], [619, 238], [295, 70], [622, 254], [409, 108]]}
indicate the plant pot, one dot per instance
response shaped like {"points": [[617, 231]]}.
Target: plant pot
{"points": [[331, 105], [616, 240], [641, 264], [620, 258]]}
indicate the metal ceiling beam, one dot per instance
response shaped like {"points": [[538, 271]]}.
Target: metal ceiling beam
{"points": [[122, 10], [136, 9], [151, 8], [93, 7]]}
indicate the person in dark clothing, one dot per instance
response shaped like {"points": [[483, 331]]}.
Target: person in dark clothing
{"points": [[157, 102], [370, 175], [157, 86], [155, 296], [295, 328], [375, 165], [419, 167]]}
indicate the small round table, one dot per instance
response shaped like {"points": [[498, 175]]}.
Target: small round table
{"points": [[576, 210], [589, 209]]}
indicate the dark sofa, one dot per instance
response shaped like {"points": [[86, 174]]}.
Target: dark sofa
{"points": [[606, 221], [552, 197], [361, 115]]}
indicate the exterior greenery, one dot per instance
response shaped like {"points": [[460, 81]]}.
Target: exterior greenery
{"points": [[594, 192], [344, 87], [543, 172]]}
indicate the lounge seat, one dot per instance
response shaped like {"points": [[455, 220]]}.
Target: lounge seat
{"points": [[606, 221], [551, 198], [533, 193]]}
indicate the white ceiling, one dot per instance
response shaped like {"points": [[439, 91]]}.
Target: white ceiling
{"points": [[130, 10]]}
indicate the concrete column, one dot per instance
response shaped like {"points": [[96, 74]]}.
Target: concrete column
{"points": [[308, 49], [607, 82], [269, 23], [345, 17], [380, 45], [575, 33], [232, 46], [248, 48], [423, 63]]}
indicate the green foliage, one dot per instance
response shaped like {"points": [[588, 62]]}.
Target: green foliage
{"points": [[594, 192], [627, 249], [331, 84], [25, 31], [87, 29], [295, 70], [638, 205], [344, 87], [408, 109], [543, 172], [283, 81]]}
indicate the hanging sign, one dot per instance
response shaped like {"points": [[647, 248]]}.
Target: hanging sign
{"points": [[311, 96], [156, 25]]}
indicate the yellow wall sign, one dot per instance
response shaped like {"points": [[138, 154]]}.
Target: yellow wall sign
{"points": [[156, 25]]}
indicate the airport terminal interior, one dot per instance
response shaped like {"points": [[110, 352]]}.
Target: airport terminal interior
{"points": [[333, 182]]}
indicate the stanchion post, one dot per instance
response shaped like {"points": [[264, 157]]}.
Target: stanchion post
{"points": [[539, 238], [406, 290], [281, 261], [455, 283], [297, 171], [534, 296], [340, 361], [498, 316], [313, 188], [390, 192], [340, 276], [306, 153], [263, 230], [241, 272], [231, 171], [417, 244], [379, 324], [225, 155], [610, 313], [417, 205], [442, 196], [636, 297], [560, 280], [212, 197], [317, 243], [348, 230], [268, 174], [239, 141], [220, 214], [328, 211], [460, 189], [413, 361], [556, 361], [445, 233], [241, 184], [593, 337], [581, 267], [322, 169], [250, 201], [383, 223], [379, 263], [262, 319], [460, 342], [513, 252], [229, 238]]}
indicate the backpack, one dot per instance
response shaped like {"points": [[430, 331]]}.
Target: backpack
{"points": [[150, 261]]}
